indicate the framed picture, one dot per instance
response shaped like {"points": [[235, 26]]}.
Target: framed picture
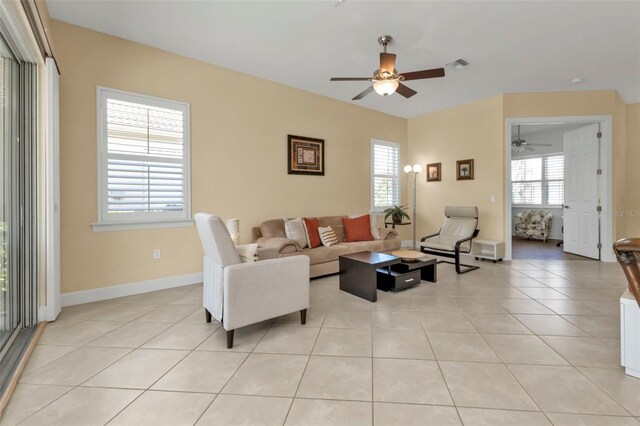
{"points": [[434, 172], [305, 156], [464, 170]]}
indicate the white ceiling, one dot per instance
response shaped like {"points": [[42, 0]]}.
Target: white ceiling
{"points": [[512, 46]]}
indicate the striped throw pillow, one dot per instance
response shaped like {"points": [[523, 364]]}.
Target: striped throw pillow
{"points": [[327, 236]]}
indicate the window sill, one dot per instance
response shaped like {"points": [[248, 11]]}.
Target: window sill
{"points": [[132, 226]]}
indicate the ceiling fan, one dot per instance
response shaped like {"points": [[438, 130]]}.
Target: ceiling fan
{"points": [[519, 144], [386, 79]]}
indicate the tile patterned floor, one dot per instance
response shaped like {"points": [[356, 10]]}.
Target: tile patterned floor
{"points": [[523, 342]]}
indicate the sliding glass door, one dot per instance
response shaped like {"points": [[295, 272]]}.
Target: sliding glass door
{"points": [[10, 294]]}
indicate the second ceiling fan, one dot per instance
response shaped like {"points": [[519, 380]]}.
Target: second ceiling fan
{"points": [[386, 79]]}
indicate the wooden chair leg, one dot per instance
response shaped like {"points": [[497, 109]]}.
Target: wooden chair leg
{"points": [[303, 316], [207, 316], [230, 339]]}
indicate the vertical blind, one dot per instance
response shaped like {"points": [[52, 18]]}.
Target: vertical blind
{"points": [[385, 180], [538, 180], [145, 160]]}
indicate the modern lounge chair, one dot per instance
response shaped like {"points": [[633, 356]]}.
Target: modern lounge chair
{"points": [[460, 227], [239, 294]]}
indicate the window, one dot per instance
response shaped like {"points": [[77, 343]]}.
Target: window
{"points": [[143, 160], [538, 180], [385, 165]]}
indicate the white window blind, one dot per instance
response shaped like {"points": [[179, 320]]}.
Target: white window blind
{"points": [[538, 180], [554, 177], [144, 158], [385, 165]]}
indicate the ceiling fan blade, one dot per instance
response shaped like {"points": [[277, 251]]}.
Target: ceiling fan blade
{"points": [[405, 91], [418, 75], [539, 144], [350, 79], [362, 94], [387, 62]]}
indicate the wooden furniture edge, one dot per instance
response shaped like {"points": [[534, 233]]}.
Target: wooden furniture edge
{"points": [[6, 397]]}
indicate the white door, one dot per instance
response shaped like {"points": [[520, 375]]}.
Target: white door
{"points": [[581, 221]]}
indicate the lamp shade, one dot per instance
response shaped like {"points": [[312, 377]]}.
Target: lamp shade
{"points": [[233, 225], [417, 168], [385, 87], [407, 168]]}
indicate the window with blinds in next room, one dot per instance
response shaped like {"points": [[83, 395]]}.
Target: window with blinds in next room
{"points": [[538, 180]]}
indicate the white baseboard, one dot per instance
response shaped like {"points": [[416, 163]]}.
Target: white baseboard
{"points": [[43, 314], [112, 292]]}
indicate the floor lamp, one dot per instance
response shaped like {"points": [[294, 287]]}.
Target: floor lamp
{"points": [[415, 169]]}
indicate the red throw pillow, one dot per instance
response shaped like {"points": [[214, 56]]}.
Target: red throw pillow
{"points": [[311, 225], [357, 229]]}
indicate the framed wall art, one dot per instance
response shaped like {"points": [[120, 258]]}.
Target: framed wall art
{"points": [[305, 156], [464, 170], [434, 172]]}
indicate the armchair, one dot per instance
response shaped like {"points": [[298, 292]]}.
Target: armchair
{"points": [[239, 294], [534, 224], [455, 236]]}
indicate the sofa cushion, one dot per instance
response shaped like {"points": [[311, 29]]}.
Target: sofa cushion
{"points": [[273, 228], [327, 236], [295, 231], [357, 229], [335, 222], [325, 254], [375, 245], [311, 227], [373, 218]]}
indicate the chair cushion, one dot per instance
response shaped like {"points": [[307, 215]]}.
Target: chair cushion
{"points": [[311, 226], [456, 229], [357, 229], [437, 246]]}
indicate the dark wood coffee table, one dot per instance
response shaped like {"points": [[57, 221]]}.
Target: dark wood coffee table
{"points": [[407, 274], [358, 274]]}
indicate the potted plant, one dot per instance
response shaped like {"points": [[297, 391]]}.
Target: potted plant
{"points": [[397, 213]]}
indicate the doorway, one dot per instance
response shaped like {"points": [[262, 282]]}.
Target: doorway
{"points": [[550, 161]]}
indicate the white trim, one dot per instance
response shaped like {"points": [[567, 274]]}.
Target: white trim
{"points": [[52, 194], [102, 93], [131, 226], [22, 40], [606, 156], [112, 292]]}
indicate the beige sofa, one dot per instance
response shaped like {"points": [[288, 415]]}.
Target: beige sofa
{"points": [[272, 242]]}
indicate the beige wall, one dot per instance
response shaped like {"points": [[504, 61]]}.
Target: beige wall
{"points": [[469, 131], [602, 102], [476, 130], [239, 127], [633, 172]]}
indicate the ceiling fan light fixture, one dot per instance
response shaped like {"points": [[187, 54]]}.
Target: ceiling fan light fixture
{"points": [[385, 87]]}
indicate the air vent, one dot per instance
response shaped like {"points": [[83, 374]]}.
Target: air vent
{"points": [[458, 64]]}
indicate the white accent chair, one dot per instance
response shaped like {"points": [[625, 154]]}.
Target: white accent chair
{"points": [[239, 294], [460, 227]]}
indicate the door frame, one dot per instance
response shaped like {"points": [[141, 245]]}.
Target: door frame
{"points": [[606, 183]]}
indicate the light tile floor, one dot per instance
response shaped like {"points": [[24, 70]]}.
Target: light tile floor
{"points": [[523, 342]]}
